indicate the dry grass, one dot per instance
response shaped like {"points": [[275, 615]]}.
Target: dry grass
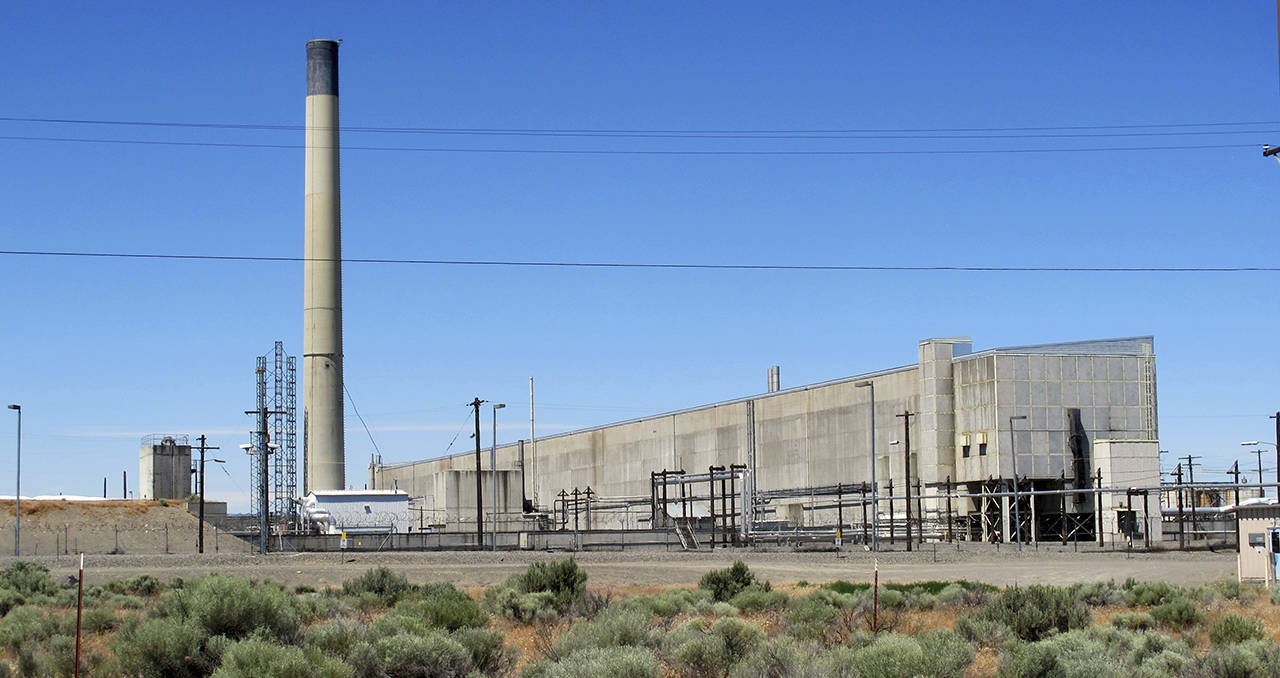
{"points": [[44, 507]]}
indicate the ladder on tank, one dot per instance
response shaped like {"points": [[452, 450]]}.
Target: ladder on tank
{"points": [[688, 540]]}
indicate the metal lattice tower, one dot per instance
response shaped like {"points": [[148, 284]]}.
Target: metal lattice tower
{"points": [[278, 392]]}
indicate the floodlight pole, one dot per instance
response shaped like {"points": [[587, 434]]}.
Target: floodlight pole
{"points": [[493, 471], [1013, 453], [17, 493], [203, 449], [875, 495]]}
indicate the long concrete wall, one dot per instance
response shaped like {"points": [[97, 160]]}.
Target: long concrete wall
{"points": [[817, 435]]}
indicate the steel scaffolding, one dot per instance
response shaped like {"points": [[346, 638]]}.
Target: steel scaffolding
{"points": [[277, 392]]}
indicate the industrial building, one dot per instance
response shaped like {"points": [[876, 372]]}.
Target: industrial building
{"points": [[1078, 415], [165, 467]]}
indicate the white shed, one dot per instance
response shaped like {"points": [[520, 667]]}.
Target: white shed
{"points": [[357, 511]]}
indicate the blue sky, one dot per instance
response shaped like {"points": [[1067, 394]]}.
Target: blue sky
{"points": [[100, 352]]}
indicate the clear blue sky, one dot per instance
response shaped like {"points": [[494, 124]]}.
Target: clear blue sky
{"points": [[100, 352]]}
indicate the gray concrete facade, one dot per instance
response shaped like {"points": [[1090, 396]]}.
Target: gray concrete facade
{"points": [[818, 435]]}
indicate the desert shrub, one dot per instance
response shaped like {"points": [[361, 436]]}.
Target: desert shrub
{"points": [[335, 638], [489, 655], [388, 586], [506, 601], [615, 627], [28, 579], [1037, 611], [1097, 593], [1232, 589], [142, 585], [123, 602], [1275, 595], [810, 617], [613, 662], [1150, 593], [957, 594], [1137, 621], [234, 607], [61, 655], [936, 653], [758, 597], [443, 606], [563, 579], [1070, 655], [983, 632], [430, 656], [1235, 629], [164, 648], [257, 658], [314, 607], [1239, 660], [777, 658], [1177, 613], [99, 620], [729, 582], [671, 603], [32, 664], [364, 660], [697, 649], [27, 624], [304, 588], [1204, 595]]}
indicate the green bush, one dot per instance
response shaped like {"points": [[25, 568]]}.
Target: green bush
{"points": [[1239, 660], [506, 600], [671, 603], [1037, 611], [28, 579], [1235, 629], [1150, 593], [1137, 621], [1232, 589], [810, 617], [142, 585], [615, 627], [258, 658], [1076, 654], [431, 656], [563, 579], [729, 582], [99, 620], [777, 658], [610, 662], [1177, 613], [984, 632], [935, 653], [388, 586], [1097, 593], [758, 597], [443, 606], [335, 638], [164, 648], [697, 650], [489, 655], [235, 608], [26, 624]]}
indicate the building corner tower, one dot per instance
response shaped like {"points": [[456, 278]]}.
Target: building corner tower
{"points": [[323, 444]]}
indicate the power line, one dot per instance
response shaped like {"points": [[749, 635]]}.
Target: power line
{"points": [[752, 133], [653, 152], [642, 265]]}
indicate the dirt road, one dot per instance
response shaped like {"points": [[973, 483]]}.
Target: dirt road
{"points": [[657, 567]]}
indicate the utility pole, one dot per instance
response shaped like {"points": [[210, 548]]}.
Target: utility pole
{"points": [[906, 443], [203, 449], [264, 476], [1191, 480], [1182, 539], [1261, 491], [475, 405], [1275, 416]]}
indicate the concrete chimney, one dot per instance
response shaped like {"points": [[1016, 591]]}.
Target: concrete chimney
{"points": [[324, 454]]}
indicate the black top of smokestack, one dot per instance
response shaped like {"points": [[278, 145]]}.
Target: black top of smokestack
{"points": [[322, 67]]}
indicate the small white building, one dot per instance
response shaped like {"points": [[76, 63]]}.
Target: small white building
{"points": [[357, 511]]}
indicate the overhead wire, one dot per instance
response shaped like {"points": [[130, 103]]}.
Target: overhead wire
{"points": [[647, 265], [637, 152]]}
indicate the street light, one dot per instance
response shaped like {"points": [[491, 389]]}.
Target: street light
{"points": [[493, 473], [1250, 443], [875, 500], [1017, 515], [17, 493]]}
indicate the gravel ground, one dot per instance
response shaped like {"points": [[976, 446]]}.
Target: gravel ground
{"points": [[648, 567]]}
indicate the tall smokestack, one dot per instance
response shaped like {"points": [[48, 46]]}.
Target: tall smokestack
{"points": [[323, 447]]}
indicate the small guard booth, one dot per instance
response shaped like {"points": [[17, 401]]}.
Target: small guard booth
{"points": [[1259, 532]]}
